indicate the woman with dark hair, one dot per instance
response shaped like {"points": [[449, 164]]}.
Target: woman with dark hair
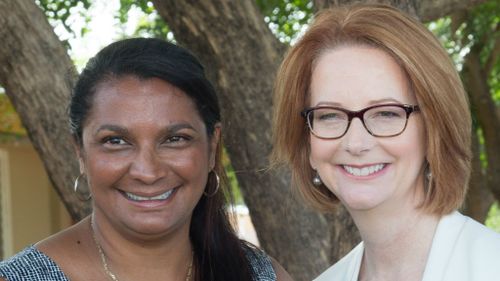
{"points": [[146, 126]]}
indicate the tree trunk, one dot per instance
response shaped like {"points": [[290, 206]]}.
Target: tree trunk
{"points": [[479, 197], [37, 75], [485, 110]]}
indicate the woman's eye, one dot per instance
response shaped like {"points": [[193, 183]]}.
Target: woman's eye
{"points": [[114, 141], [177, 139], [387, 114], [329, 116]]}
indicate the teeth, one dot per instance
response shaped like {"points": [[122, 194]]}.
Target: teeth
{"points": [[365, 171], [162, 196]]}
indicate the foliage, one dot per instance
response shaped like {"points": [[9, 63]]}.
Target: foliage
{"points": [[287, 19], [493, 220], [477, 29], [150, 24], [450, 39], [483, 29], [60, 12], [9, 120], [232, 180]]}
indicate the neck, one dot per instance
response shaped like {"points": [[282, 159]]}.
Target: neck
{"points": [[397, 237], [136, 258], [397, 243]]}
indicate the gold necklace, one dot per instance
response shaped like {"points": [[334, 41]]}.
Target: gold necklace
{"points": [[105, 263]]}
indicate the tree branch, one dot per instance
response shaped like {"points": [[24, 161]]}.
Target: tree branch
{"points": [[404, 5], [430, 10], [426, 10], [494, 54]]}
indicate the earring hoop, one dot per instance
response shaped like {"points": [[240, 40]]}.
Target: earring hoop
{"points": [[78, 194], [217, 179], [316, 180]]}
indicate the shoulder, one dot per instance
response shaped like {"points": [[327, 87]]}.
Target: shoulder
{"points": [[346, 268], [30, 264], [264, 267], [470, 234], [479, 241], [260, 263], [464, 247]]}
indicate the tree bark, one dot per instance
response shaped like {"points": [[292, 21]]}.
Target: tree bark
{"points": [[37, 75], [425, 10], [479, 197]]}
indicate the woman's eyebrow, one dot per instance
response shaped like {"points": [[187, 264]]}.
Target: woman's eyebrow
{"points": [[384, 100], [124, 131], [113, 128], [177, 127]]}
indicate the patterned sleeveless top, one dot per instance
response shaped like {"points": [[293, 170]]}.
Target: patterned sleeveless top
{"points": [[33, 265]]}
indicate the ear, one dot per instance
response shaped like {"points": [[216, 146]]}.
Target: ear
{"points": [[312, 163], [79, 155], [214, 142]]}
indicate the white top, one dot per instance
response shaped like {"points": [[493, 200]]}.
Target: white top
{"points": [[462, 250]]}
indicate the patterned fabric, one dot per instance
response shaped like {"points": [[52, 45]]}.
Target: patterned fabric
{"points": [[261, 264], [33, 265]]}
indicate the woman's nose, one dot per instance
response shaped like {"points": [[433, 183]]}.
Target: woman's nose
{"points": [[357, 139], [147, 166]]}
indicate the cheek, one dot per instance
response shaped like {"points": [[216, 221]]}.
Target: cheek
{"points": [[192, 164], [411, 146], [102, 169], [321, 151], [418, 138]]}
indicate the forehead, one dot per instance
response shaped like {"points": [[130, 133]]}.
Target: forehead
{"points": [[358, 76], [134, 100]]}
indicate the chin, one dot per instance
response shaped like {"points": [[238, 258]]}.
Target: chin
{"points": [[360, 203], [152, 226]]}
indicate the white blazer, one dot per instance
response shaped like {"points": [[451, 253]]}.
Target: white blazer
{"points": [[462, 250]]}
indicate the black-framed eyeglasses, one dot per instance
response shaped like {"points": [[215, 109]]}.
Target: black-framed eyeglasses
{"points": [[383, 120]]}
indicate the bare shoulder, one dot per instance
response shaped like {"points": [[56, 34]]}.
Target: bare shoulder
{"points": [[70, 248], [281, 273], [66, 241]]}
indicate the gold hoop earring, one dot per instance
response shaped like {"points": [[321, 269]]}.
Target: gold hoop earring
{"points": [[217, 179], [75, 189]]}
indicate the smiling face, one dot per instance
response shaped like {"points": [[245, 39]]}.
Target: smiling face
{"points": [[363, 171], [146, 154]]}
